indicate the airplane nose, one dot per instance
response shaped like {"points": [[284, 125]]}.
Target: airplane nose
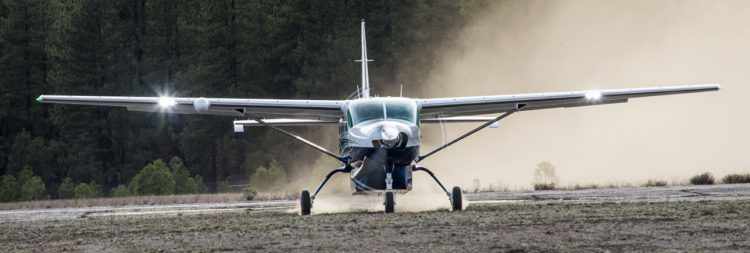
{"points": [[391, 137], [389, 133]]}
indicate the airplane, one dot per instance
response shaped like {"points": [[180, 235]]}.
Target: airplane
{"points": [[380, 137]]}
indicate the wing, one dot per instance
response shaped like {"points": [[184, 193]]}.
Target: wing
{"points": [[464, 106], [261, 108]]}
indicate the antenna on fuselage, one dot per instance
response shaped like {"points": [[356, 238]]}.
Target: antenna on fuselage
{"points": [[364, 61]]}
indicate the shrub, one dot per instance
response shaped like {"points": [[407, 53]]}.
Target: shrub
{"points": [[702, 179], [184, 184], [154, 179], [736, 179], [249, 193], [267, 179], [85, 191], [33, 189], [8, 188], [120, 191], [545, 177], [66, 189], [25, 175], [655, 183], [544, 186]]}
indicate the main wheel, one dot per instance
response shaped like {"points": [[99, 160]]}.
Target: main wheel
{"points": [[457, 199], [305, 203], [389, 202]]}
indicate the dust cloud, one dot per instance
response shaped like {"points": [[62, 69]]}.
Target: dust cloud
{"points": [[425, 196], [539, 46]]}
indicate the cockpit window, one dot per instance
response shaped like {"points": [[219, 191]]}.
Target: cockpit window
{"points": [[402, 110], [374, 110], [364, 111]]}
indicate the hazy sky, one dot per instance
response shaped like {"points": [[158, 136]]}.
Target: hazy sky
{"points": [[539, 46]]}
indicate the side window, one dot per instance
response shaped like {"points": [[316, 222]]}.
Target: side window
{"points": [[349, 122]]}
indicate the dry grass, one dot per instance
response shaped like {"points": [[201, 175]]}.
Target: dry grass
{"points": [[655, 183], [544, 187], [145, 200], [736, 179], [586, 186]]}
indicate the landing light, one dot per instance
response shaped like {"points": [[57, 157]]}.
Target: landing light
{"points": [[166, 102], [593, 95]]}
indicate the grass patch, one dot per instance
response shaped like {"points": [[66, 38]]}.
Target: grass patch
{"points": [[585, 186], [544, 186], [148, 200], [702, 179], [736, 179], [655, 183]]}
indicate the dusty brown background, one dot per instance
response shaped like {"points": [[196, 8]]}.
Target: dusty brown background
{"points": [[539, 46]]}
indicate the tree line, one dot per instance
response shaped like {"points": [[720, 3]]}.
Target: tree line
{"points": [[223, 48], [156, 178]]}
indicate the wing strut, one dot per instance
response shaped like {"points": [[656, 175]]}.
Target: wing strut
{"points": [[305, 141], [467, 134]]}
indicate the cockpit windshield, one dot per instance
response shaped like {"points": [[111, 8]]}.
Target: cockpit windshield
{"points": [[377, 109]]}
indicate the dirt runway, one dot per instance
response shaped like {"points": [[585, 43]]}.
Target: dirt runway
{"points": [[704, 218]]}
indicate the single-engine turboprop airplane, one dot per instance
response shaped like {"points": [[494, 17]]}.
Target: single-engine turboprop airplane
{"points": [[379, 136]]}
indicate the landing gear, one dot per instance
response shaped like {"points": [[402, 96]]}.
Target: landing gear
{"points": [[390, 203], [457, 199], [305, 200], [305, 203]]}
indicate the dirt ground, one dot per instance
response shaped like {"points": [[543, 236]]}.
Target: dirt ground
{"points": [[509, 227]]}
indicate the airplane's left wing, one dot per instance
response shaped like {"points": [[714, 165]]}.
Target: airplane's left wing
{"points": [[467, 106], [254, 108]]}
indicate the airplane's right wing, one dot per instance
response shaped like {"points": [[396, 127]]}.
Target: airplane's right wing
{"points": [[468, 106]]}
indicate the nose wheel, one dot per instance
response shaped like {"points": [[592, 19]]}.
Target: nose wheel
{"points": [[390, 202]]}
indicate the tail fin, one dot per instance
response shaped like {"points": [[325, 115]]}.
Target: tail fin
{"points": [[365, 60]]}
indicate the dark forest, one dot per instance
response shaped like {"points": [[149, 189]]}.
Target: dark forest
{"points": [[223, 48]]}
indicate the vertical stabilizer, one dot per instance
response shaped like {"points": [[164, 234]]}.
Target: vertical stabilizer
{"points": [[364, 60]]}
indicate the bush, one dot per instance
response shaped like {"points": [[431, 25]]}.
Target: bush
{"points": [[702, 179], [736, 179], [154, 179], [66, 189], [249, 193], [33, 189], [8, 188], [544, 187], [85, 191], [545, 177], [655, 183], [184, 184], [25, 175], [120, 191], [268, 179]]}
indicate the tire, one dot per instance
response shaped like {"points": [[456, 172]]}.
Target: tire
{"points": [[390, 203], [305, 203], [457, 199]]}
